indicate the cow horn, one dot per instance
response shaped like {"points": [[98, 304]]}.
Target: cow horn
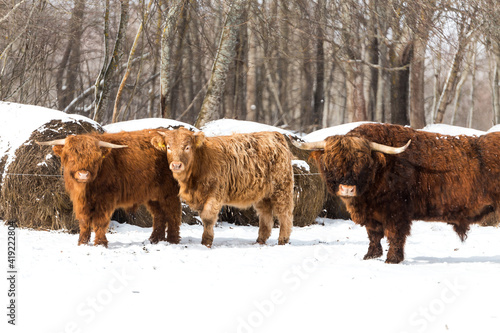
{"points": [[59, 142], [110, 145], [388, 149], [318, 145], [162, 133]]}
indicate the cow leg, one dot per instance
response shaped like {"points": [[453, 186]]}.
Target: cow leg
{"points": [[174, 219], [265, 212], [101, 225], [396, 235], [209, 217], [85, 231], [172, 214], [375, 234], [159, 222], [282, 202]]}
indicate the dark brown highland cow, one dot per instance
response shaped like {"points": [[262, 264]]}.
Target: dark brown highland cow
{"points": [[455, 179], [103, 172], [239, 170]]}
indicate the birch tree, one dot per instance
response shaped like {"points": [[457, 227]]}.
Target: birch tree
{"points": [[225, 55]]}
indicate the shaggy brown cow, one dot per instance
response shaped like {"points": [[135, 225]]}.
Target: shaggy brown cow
{"points": [[240, 170], [103, 172], [454, 179]]}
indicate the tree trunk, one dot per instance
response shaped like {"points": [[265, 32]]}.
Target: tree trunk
{"points": [[225, 55], [417, 84], [70, 62], [167, 62], [116, 110], [319, 93], [452, 79], [108, 71], [251, 84], [400, 86], [495, 82], [472, 86]]}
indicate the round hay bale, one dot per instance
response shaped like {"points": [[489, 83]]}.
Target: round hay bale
{"points": [[33, 191]]}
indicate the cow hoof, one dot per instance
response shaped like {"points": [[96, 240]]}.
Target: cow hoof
{"points": [[393, 260], [373, 254], [101, 242], [283, 241], [156, 240], [261, 241], [207, 242], [174, 239]]}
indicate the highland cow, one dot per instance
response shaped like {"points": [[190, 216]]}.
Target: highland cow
{"points": [[103, 172], [239, 170], [454, 179]]}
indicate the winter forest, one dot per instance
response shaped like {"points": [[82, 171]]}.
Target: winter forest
{"points": [[299, 64]]}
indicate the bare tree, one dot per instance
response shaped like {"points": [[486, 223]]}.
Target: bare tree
{"points": [[223, 59], [103, 82]]}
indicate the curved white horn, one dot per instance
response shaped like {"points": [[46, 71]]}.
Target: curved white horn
{"points": [[59, 142], [162, 133], [388, 149], [110, 145], [318, 145]]}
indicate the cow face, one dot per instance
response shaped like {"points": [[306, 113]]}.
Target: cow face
{"points": [[349, 165], [81, 157], [180, 146]]}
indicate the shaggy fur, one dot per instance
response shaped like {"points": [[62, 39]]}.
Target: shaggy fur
{"points": [[454, 179], [119, 178], [240, 170]]}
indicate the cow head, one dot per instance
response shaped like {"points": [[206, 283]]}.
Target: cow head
{"points": [[81, 155], [180, 146], [349, 164]]}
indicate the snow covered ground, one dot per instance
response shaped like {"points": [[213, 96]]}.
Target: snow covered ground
{"points": [[317, 283]]}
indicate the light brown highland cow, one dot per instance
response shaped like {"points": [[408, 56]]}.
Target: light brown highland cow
{"points": [[239, 170]]}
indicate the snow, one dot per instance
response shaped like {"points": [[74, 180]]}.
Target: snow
{"points": [[140, 124], [495, 128], [452, 130], [334, 130], [317, 283], [301, 164], [231, 126]]}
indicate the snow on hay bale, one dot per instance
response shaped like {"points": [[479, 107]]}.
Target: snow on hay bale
{"points": [[32, 187], [309, 189]]}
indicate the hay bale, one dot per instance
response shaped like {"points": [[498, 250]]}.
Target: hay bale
{"points": [[33, 191]]}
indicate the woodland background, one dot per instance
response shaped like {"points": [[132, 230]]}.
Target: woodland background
{"points": [[299, 64]]}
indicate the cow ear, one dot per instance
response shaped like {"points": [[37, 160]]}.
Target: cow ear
{"points": [[159, 143], [105, 151], [58, 149], [198, 139], [380, 158]]}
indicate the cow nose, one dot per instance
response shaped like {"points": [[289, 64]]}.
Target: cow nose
{"points": [[82, 175], [347, 190], [176, 166]]}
